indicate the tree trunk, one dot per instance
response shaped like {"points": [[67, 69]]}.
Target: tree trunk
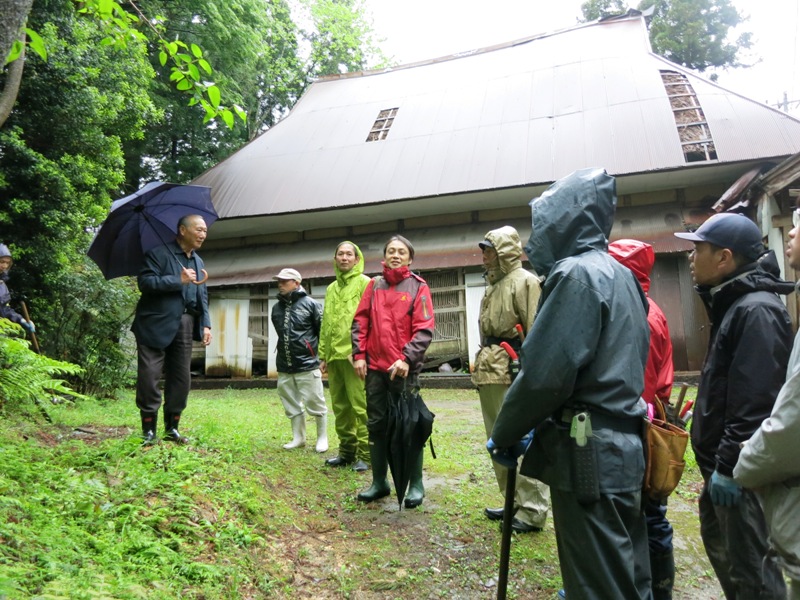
{"points": [[8, 94], [13, 14]]}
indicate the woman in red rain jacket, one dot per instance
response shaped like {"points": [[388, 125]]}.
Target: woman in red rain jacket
{"points": [[392, 329]]}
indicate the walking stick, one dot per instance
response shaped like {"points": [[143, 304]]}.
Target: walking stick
{"points": [[505, 536], [25, 314], [35, 343], [508, 507]]}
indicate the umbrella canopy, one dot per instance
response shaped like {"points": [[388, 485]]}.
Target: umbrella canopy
{"points": [[410, 426], [144, 220]]}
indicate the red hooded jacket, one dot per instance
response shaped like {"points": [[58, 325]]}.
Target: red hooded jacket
{"points": [[386, 326], [639, 257]]}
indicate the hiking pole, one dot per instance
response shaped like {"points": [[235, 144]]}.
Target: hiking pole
{"points": [[505, 536], [508, 507], [25, 314]]}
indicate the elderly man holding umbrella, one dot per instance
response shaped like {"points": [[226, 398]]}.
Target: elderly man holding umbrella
{"points": [[172, 311], [139, 238]]}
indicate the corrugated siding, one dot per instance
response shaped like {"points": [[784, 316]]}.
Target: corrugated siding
{"points": [[436, 247]]}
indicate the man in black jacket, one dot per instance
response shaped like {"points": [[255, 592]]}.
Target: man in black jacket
{"points": [[745, 366], [582, 376], [172, 310], [297, 318]]}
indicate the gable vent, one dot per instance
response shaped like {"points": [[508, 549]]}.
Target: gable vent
{"points": [[380, 129], [695, 135]]}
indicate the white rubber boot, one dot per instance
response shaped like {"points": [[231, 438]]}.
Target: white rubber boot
{"points": [[298, 431], [322, 433]]}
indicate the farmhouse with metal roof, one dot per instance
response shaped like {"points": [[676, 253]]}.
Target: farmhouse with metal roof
{"points": [[446, 149]]}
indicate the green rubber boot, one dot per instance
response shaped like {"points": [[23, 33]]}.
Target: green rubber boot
{"points": [[416, 491], [380, 485]]}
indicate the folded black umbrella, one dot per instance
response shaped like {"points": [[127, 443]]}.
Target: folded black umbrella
{"points": [[410, 426]]}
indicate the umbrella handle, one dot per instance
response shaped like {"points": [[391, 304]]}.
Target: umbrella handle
{"points": [[203, 280]]}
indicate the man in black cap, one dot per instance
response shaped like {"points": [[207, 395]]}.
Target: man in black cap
{"points": [[745, 366]]}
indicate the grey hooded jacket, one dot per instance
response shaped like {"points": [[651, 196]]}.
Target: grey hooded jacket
{"points": [[769, 463], [588, 346]]}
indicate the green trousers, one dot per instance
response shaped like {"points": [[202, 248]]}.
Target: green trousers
{"points": [[349, 402], [532, 497]]}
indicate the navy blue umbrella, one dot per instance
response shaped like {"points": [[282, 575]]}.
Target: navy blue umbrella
{"points": [[144, 220]]}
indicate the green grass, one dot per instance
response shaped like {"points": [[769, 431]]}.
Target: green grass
{"points": [[86, 512]]}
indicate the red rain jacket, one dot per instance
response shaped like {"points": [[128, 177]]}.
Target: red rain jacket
{"points": [[386, 326], [639, 257]]}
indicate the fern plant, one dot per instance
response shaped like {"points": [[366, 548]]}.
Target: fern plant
{"points": [[27, 377]]}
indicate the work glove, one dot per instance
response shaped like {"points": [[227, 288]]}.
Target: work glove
{"points": [[724, 490], [509, 455], [28, 326]]}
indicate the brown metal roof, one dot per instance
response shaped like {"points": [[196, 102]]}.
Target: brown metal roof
{"points": [[514, 117]]}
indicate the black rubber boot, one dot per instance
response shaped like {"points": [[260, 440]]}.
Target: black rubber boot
{"points": [[380, 485], [662, 568], [149, 426], [416, 491], [171, 434]]}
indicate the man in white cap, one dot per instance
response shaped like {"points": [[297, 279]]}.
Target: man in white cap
{"points": [[297, 318], [744, 368]]}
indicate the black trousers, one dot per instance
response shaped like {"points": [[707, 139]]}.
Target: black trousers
{"points": [[379, 388], [736, 543], [174, 362]]}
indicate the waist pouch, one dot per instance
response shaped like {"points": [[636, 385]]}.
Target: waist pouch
{"points": [[665, 447]]}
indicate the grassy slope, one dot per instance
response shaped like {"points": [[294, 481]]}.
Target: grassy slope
{"points": [[90, 514]]}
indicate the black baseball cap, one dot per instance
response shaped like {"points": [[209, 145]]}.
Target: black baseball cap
{"points": [[729, 230]]}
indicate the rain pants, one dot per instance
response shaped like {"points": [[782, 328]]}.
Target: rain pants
{"points": [[348, 398]]}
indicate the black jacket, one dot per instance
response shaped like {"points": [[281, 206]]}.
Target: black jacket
{"points": [[161, 306], [297, 319], [588, 345], [745, 366]]}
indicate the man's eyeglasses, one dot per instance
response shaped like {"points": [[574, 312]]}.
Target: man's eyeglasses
{"points": [[796, 218]]}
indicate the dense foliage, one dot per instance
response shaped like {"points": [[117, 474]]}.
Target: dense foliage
{"points": [[96, 120]]}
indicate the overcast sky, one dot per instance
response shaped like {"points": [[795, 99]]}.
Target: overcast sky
{"points": [[421, 29]]}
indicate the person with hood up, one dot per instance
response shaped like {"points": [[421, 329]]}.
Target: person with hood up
{"points": [[639, 257], [582, 374], [511, 296], [297, 318], [744, 368], [348, 398], [6, 311], [392, 329], [769, 462]]}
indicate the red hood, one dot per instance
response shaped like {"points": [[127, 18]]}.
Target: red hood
{"points": [[637, 256]]}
